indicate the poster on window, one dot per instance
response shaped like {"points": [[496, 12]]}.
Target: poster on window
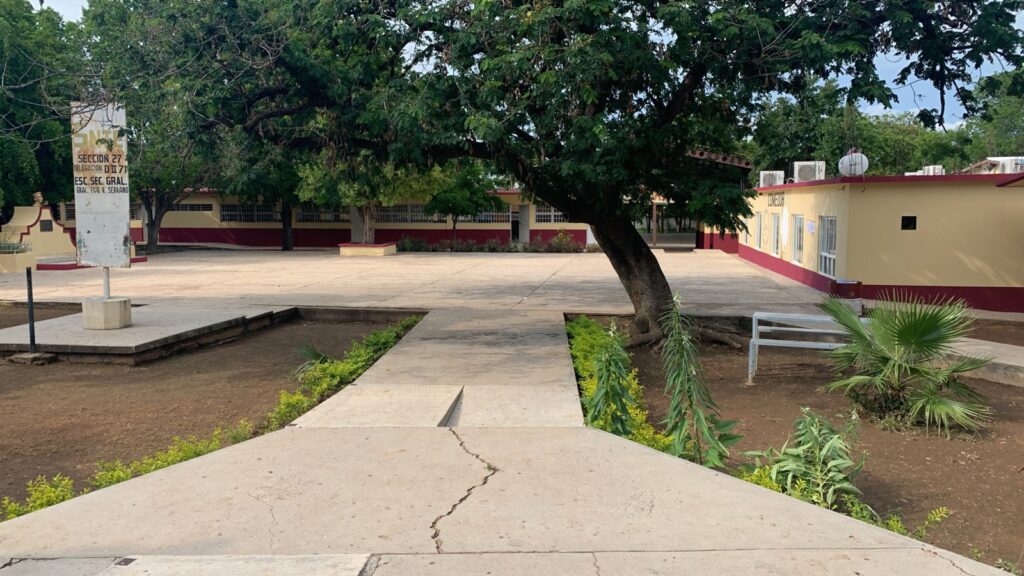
{"points": [[102, 205]]}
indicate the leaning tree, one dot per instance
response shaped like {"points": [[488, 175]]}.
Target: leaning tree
{"points": [[592, 105]]}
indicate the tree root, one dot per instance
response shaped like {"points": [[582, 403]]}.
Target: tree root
{"points": [[706, 335], [645, 339]]}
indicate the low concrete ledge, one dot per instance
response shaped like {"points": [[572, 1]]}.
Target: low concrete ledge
{"points": [[353, 249], [11, 263]]}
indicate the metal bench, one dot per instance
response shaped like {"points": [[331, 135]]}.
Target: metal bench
{"points": [[756, 339]]}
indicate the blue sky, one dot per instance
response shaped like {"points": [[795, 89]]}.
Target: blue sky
{"points": [[911, 98]]}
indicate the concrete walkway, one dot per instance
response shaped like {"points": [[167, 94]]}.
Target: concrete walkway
{"points": [[512, 483]]}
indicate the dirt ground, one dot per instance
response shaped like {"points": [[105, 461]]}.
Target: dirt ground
{"points": [[17, 315], [1005, 331], [981, 480], [63, 418]]}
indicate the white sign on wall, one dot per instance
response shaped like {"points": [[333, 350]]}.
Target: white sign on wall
{"points": [[102, 205]]}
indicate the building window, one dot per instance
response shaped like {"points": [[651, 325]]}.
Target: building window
{"points": [[309, 212], [548, 215], [746, 233], [798, 238], [192, 208], [69, 212], [776, 233], [908, 223], [46, 225], [492, 217], [759, 223], [827, 246], [407, 214], [249, 213]]}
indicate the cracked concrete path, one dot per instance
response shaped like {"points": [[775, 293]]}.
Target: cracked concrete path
{"points": [[360, 497]]}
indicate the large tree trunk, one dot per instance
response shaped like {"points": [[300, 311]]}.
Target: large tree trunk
{"points": [[639, 272], [152, 235], [155, 211], [287, 231], [368, 214]]}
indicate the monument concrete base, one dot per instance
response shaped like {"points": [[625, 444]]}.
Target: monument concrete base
{"points": [[107, 313]]}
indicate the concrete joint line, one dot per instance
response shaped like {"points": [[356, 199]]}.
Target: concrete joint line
{"points": [[950, 560], [372, 563], [491, 471]]}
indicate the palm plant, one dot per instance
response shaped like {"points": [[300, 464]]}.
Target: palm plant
{"points": [[611, 397], [900, 358], [693, 422]]}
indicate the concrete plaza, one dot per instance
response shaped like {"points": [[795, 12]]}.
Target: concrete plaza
{"points": [[461, 452], [708, 280]]}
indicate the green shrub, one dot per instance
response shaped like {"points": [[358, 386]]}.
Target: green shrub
{"points": [[693, 423], [762, 476], [587, 338], [816, 463], [180, 450], [855, 508], [41, 494], [1008, 566], [412, 244], [241, 432], [896, 355], [110, 473], [562, 242], [290, 405]]}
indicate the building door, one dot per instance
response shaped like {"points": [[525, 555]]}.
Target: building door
{"points": [[827, 245]]}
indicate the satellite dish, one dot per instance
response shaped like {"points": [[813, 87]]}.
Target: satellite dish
{"points": [[853, 164]]}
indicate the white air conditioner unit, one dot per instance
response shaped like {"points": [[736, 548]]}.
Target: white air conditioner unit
{"points": [[936, 170], [808, 171], [918, 173], [772, 178]]}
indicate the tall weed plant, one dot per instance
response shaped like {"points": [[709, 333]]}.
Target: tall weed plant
{"points": [[693, 422]]}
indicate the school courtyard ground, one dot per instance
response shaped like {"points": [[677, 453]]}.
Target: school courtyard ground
{"points": [[462, 451]]}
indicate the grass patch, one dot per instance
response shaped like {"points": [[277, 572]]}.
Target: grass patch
{"points": [[319, 379]]}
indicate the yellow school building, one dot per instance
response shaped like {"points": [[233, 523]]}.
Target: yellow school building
{"points": [[959, 235]]}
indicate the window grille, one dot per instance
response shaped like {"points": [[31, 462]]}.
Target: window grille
{"points": [[192, 208], [492, 217], [798, 238], [249, 213], [776, 233], [309, 212], [827, 246], [69, 211], [407, 214], [548, 215]]}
